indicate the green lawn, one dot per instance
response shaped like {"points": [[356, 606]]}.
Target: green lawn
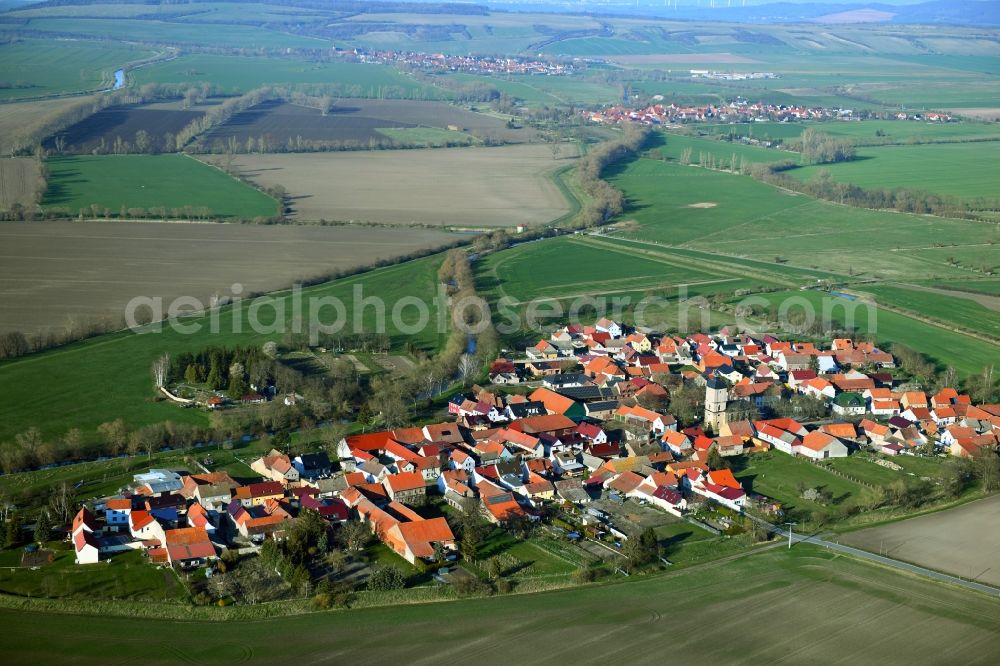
{"points": [[962, 170], [150, 181], [777, 475], [35, 68], [124, 576], [101, 379], [239, 74], [953, 310], [860, 467], [847, 609], [532, 558]]}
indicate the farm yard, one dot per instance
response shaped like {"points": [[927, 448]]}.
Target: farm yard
{"points": [[104, 185], [20, 179], [101, 130], [357, 122], [460, 187], [962, 541], [51, 272], [846, 610]]}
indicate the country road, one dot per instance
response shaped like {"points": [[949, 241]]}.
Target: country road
{"points": [[896, 564]]}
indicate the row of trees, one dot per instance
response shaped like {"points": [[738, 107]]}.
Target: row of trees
{"points": [[606, 201], [903, 200], [815, 147]]}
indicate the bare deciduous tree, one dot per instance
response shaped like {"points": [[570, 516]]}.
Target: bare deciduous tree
{"points": [[161, 370]]}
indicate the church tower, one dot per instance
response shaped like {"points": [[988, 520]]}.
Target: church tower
{"points": [[716, 397]]}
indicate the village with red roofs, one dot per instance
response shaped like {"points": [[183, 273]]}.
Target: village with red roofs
{"points": [[573, 435]]}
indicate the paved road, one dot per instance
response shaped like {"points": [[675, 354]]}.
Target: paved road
{"points": [[896, 564]]}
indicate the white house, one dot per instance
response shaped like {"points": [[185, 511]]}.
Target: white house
{"points": [[610, 327], [459, 459], [116, 512], [819, 445]]}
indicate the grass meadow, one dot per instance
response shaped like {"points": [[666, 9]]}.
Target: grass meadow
{"points": [[722, 213], [953, 309], [962, 170], [150, 181], [988, 286], [564, 267], [873, 131]]}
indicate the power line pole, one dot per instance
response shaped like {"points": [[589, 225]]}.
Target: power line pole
{"points": [[790, 534]]}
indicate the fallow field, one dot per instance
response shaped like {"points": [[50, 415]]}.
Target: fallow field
{"points": [[962, 541], [105, 126], [55, 272], [19, 117], [358, 121], [112, 182], [19, 181], [464, 187], [843, 611]]}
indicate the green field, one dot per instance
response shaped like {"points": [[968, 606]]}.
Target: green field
{"points": [[150, 181], [845, 610], [101, 379], [36, 68], [962, 170], [162, 32], [239, 74], [545, 90], [565, 267], [991, 287], [723, 152], [862, 132], [954, 310], [761, 222], [428, 136]]}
